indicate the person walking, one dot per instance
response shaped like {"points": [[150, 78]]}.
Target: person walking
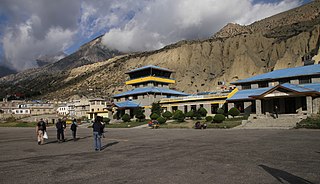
{"points": [[73, 128], [97, 133], [40, 130], [60, 130], [276, 111]]}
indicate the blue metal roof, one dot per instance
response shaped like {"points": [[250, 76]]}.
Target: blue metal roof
{"points": [[312, 86], [245, 94], [283, 73], [302, 88], [152, 90], [297, 88], [149, 66], [127, 104]]}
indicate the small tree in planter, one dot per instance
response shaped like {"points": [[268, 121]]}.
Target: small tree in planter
{"points": [[154, 116], [156, 108], [190, 114], [161, 120], [139, 114], [167, 115], [220, 111], [209, 119], [126, 118], [233, 112], [202, 111], [219, 118], [179, 116]]}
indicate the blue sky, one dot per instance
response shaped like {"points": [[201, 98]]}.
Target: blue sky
{"points": [[30, 29]]}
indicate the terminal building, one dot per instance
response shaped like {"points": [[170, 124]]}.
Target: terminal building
{"points": [[290, 91], [150, 84]]}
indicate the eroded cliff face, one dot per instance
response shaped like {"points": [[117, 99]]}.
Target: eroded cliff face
{"points": [[235, 52]]}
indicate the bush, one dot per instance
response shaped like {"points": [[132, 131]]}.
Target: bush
{"points": [[106, 120], [209, 118], [220, 111], [156, 108], [139, 114], [190, 114], [310, 122], [219, 118], [126, 118], [202, 112], [154, 116], [161, 120], [179, 116], [233, 112], [167, 115]]}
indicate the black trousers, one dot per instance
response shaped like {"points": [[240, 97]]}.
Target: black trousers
{"points": [[60, 134], [74, 133]]}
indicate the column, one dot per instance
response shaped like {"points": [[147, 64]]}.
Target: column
{"points": [[309, 105], [230, 105], [247, 107], [258, 107]]}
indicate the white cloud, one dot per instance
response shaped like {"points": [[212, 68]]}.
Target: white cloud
{"points": [[162, 22], [21, 48]]}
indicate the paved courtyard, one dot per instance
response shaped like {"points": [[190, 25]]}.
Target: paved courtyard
{"points": [[163, 156]]}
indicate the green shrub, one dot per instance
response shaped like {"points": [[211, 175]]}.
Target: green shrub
{"points": [[233, 112], [161, 120], [156, 108], [167, 115], [106, 120], [209, 118], [202, 112], [179, 116], [139, 114], [220, 111], [310, 122], [219, 118], [154, 116], [190, 114], [126, 118]]}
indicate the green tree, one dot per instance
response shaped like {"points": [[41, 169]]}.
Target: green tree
{"points": [[202, 111], [126, 118], [219, 118], [106, 120], [220, 111], [209, 118], [233, 112], [156, 108], [154, 116], [139, 114], [179, 116], [167, 115], [190, 114], [161, 120]]}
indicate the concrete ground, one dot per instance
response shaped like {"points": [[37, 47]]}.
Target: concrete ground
{"points": [[163, 156]]}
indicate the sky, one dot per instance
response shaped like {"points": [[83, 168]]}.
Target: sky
{"points": [[30, 29]]}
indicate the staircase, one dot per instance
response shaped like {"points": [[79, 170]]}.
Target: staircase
{"points": [[284, 121]]}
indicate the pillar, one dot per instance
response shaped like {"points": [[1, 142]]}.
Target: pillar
{"points": [[258, 107], [230, 105], [309, 105], [247, 107]]}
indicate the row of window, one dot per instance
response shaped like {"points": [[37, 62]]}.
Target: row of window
{"points": [[304, 80]]}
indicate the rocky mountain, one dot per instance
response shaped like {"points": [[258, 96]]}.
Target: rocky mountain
{"points": [[235, 52], [47, 59], [6, 71]]}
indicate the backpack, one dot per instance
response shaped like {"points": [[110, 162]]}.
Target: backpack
{"points": [[73, 127]]}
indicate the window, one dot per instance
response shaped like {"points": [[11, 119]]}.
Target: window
{"points": [[174, 108], [246, 86], [282, 81], [201, 105], [194, 107], [92, 110], [185, 109], [263, 84], [135, 97], [214, 108], [305, 80]]}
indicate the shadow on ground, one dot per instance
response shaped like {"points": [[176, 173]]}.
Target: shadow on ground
{"points": [[284, 176]]}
